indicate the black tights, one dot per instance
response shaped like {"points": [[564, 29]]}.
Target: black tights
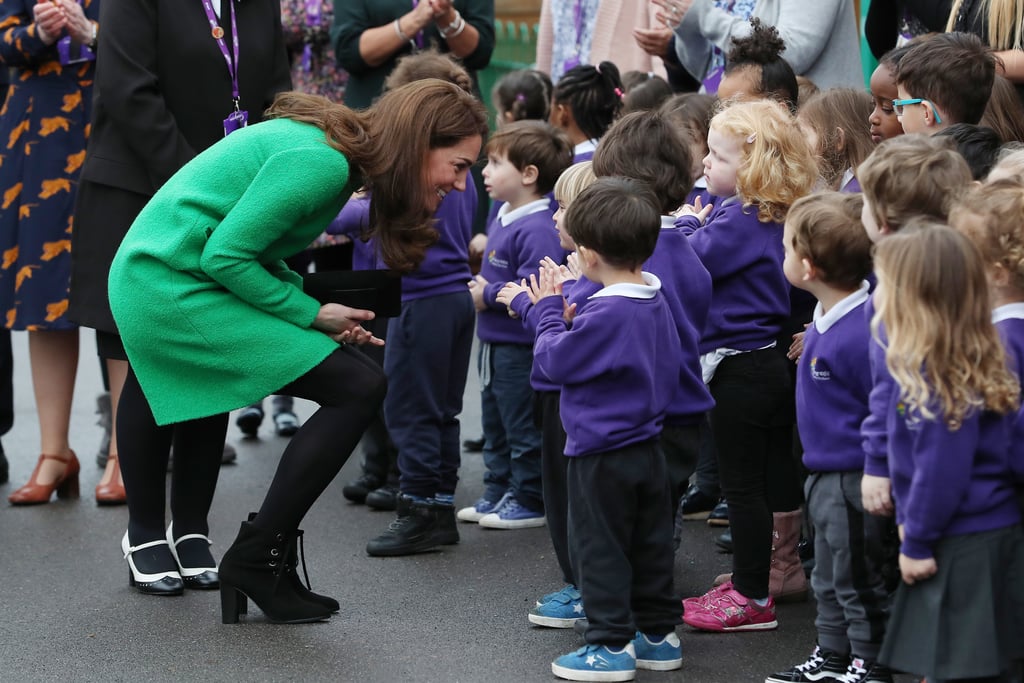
{"points": [[143, 451], [350, 390]]}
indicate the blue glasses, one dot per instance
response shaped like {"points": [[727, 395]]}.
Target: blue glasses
{"points": [[899, 104]]}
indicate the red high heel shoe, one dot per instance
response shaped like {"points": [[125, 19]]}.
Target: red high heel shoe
{"points": [[66, 486], [112, 493]]}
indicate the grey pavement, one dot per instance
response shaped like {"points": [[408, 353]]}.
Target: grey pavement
{"points": [[68, 614]]}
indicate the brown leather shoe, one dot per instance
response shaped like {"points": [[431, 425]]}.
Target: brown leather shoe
{"points": [[112, 493], [66, 486]]}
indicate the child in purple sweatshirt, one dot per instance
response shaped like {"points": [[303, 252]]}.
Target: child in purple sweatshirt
{"points": [[616, 386], [828, 255], [949, 423], [524, 159], [759, 164]]}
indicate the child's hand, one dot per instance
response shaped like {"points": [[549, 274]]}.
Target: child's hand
{"points": [[695, 209], [510, 291], [546, 283], [562, 274], [572, 264], [876, 493], [917, 570], [797, 347], [476, 290], [569, 312]]}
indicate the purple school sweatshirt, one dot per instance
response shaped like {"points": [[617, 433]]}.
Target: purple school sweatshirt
{"points": [[1009, 321], [750, 293], [616, 382], [946, 483], [686, 287], [445, 268], [516, 243], [833, 381], [873, 430]]}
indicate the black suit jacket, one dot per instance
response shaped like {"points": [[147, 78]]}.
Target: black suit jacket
{"points": [[163, 87], [162, 93]]}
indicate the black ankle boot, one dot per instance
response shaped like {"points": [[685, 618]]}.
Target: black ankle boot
{"points": [[254, 567], [415, 530], [447, 528], [291, 563]]}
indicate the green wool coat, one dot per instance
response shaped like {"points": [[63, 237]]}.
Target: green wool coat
{"points": [[211, 317]]}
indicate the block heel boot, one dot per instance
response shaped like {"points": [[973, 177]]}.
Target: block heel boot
{"points": [[292, 560], [255, 568]]}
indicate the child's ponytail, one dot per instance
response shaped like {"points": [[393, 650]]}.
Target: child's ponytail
{"points": [[593, 95]]}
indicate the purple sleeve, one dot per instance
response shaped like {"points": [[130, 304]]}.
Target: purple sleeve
{"points": [[524, 308], [530, 249], [942, 474], [352, 219], [874, 435]]}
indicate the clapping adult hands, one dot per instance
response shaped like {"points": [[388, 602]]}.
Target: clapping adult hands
{"points": [[56, 17]]}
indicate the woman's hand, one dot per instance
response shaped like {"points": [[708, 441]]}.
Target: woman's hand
{"points": [[341, 324], [671, 12], [917, 570], [50, 19], [78, 26], [876, 493], [653, 41], [796, 349]]}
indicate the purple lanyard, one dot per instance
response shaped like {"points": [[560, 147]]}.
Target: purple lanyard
{"points": [[218, 33], [313, 20]]}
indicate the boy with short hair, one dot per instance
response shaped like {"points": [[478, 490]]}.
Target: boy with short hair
{"points": [[524, 159], [942, 80], [828, 254], [618, 365]]}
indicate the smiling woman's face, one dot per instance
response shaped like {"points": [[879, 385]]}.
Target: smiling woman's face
{"points": [[447, 168]]}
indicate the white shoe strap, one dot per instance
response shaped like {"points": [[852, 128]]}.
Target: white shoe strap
{"points": [[188, 536], [151, 544]]}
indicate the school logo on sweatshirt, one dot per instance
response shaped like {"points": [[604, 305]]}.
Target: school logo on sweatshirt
{"points": [[819, 370], [910, 419], [493, 259]]}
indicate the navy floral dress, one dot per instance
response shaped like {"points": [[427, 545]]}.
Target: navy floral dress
{"points": [[44, 125]]}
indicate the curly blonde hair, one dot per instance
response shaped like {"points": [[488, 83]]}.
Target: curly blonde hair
{"points": [[992, 216], [778, 166], [943, 351]]}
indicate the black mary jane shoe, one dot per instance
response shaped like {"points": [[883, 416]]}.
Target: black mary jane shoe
{"points": [[161, 583], [194, 578]]}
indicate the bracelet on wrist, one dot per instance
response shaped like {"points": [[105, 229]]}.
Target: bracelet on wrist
{"points": [[453, 29], [400, 33]]}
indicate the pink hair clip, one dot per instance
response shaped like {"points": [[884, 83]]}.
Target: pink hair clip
{"points": [[520, 97], [751, 138], [618, 91]]}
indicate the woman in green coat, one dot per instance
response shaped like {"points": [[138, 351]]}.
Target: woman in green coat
{"points": [[213, 320]]}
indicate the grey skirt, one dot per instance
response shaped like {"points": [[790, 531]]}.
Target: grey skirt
{"points": [[967, 621]]}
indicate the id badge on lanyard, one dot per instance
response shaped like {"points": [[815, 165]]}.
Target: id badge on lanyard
{"points": [[239, 118]]}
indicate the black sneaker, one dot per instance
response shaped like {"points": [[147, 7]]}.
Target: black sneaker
{"points": [[860, 671], [720, 515], [695, 504], [414, 531], [286, 423], [447, 532], [383, 498], [822, 665], [356, 491], [248, 421], [473, 445]]}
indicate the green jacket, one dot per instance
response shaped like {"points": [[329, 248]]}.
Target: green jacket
{"points": [[211, 317]]}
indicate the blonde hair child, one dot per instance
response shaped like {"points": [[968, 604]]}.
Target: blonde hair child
{"points": [[949, 426], [1010, 165], [759, 164]]}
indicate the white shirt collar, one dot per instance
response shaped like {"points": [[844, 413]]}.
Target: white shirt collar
{"points": [[585, 146], [823, 321], [506, 216], [847, 177], [648, 290], [1007, 312], [668, 222]]}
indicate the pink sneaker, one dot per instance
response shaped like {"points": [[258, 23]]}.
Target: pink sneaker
{"points": [[728, 610], [708, 598]]}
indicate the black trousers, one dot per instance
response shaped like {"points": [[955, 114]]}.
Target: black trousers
{"points": [[620, 521], [752, 427], [554, 465]]}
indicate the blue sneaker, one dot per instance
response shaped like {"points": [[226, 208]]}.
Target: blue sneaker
{"points": [[562, 611], [662, 654], [512, 515], [597, 663], [480, 509], [548, 597]]}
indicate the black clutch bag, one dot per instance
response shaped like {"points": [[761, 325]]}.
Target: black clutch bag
{"points": [[379, 291]]}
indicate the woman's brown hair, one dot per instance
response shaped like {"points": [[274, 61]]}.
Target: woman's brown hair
{"points": [[388, 146]]}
